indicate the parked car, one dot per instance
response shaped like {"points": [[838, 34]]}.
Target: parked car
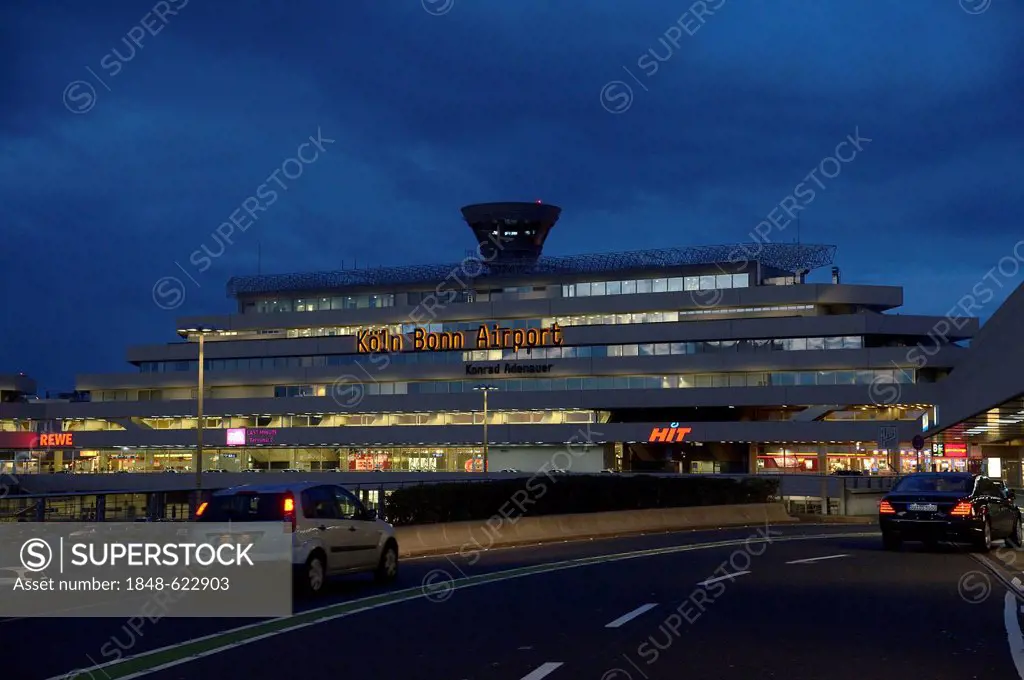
{"points": [[332, 531]]}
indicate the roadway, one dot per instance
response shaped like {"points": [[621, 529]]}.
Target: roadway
{"points": [[625, 609]]}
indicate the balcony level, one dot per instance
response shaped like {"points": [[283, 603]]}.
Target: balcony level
{"points": [[838, 298], [600, 433], [603, 330], [359, 400]]}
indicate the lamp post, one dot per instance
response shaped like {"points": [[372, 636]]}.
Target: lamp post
{"points": [[202, 332], [485, 389]]}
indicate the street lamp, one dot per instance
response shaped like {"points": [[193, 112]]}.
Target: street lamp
{"points": [[202, 332], [485, 389]]}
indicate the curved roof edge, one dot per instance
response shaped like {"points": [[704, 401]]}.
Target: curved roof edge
{"points": [[790, 257]]}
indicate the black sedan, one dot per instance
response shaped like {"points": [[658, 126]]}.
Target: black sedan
{"points": [[957, 507]]}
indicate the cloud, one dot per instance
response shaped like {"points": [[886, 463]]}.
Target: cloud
{"points": [[491, 101]]}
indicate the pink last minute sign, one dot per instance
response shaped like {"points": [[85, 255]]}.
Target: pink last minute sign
{"points": [[244, 436]]}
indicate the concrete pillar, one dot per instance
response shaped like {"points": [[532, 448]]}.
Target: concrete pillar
{"points": [[823, 471], [752, 459], [58, 460]]}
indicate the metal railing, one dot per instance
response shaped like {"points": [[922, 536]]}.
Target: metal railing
{"points": [[173, 504]]}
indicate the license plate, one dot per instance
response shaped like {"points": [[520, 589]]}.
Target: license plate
{"points": [[922, 507]]}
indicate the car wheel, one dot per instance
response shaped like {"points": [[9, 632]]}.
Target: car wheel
{"points": [[1016, 538], [387, 567], [984, 542], [891, 541], [314, 575]]}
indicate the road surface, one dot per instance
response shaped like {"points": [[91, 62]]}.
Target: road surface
{"points": [[803, 602]]}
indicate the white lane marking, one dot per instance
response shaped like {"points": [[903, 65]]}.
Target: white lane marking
{"points": [[1013, 632], [626, 618], [543, 671], [410, 594], [816, 559], [722, 578]]}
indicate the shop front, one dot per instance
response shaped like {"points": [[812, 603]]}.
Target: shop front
{"points": [[953, 457], [415, 459], [32, 452], [854, 458]]}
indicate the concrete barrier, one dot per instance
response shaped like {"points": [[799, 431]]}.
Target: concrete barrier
{"points": [[469, 538]]}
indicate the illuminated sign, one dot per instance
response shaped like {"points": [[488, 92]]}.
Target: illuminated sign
{"points": [[956, 450], [242, 436], [668, 435], [31, 440], [367, 462], [56, 440], [257, 437], [495, 369], [493, 337]]}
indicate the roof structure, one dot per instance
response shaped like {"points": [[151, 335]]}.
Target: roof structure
{"points": [[790, 257]]}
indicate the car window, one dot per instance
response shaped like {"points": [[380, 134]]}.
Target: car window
{"points": [[348, 505], [986, 487], [936, 483], [245, 507], [318, 503]]}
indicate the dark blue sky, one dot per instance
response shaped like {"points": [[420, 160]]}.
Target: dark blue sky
{"points": [[485, 100]]}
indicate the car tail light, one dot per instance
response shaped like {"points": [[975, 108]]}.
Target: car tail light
{"points": [[885, 508], [963, 509], [201, 509], [289, 510]]}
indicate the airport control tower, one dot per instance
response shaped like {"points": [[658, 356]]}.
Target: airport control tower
{"points": [[519, 229]]}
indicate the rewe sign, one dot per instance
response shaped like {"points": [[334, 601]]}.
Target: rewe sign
{"points": [[56, 440]]}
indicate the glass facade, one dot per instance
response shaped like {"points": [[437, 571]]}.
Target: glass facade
{"points": [[378, 419], [657, 285], [635, 382], [750, 379], [578, 320], [590, 288], [847, 458], [356, 459], [576, 352], [321, 304]]}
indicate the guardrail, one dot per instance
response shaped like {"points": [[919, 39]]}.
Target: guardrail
{"points": [[469, 537], [169, 499]]}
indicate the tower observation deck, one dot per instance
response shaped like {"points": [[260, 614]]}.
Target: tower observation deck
{"points": [[511, 234]]}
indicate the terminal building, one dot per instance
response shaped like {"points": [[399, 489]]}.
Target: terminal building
{"points": [[695, 359]]}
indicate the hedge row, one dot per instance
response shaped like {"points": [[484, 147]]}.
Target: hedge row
{"points": [[457, 502]]}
